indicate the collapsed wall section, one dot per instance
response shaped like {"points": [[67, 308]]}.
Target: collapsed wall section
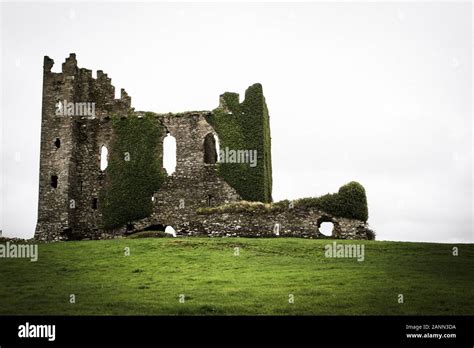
{"points": [[290, 222]]}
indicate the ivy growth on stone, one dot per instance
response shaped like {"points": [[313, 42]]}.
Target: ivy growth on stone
{"points": [[134, 171], [349, 202], [245, 126]]}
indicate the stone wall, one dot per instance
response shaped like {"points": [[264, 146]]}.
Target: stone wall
{"points": [[295, 222]]}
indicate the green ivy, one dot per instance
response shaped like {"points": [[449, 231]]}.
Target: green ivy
{"points": [[130, 184], [246, 127], [349, 202]]}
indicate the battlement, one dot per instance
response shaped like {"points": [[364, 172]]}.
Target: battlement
{"points": [[47, 64], [77, 85], [69, 67]]}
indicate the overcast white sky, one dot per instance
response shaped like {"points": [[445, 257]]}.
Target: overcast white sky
{"points": [[379, 93]]}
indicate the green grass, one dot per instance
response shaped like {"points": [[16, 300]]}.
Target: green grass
{"points": [[259, 281]]}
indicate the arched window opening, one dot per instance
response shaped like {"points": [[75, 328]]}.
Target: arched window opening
{"points": [[57, 143], [210, 152], [169, 154], [104, 161], [94, 203], [218, 148]]}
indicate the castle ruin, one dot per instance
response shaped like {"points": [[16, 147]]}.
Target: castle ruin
{"points": [[80, 200]]}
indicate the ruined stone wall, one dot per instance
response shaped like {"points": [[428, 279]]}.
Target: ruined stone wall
{"points": [[81, 201], [194, 184], [296, 222], [246, 126], [70, 151]]}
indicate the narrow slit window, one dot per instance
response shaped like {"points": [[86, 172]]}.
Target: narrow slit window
{"points": [[169, 154], [104, 161], [54, 181]]}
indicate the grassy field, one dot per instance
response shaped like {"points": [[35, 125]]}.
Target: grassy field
{"points": [[260, 280]]}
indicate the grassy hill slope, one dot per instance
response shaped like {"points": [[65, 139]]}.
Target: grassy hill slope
{"points": [[259, 281]]}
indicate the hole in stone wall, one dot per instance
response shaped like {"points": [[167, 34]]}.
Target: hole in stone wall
{"points": [[209, 200], [326, 228], [54, 181], [169, 154], [69, 234], [57, 143], [81, 184], [210, 153], [130, 227], [104, 161], [94, 203]]}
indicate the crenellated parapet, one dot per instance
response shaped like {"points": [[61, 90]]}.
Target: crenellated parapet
{"points": [[76, 85]]}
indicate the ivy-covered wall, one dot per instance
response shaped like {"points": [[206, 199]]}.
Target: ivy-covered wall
{"points": [[134, 170], [349, 202], [246, 126]]}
